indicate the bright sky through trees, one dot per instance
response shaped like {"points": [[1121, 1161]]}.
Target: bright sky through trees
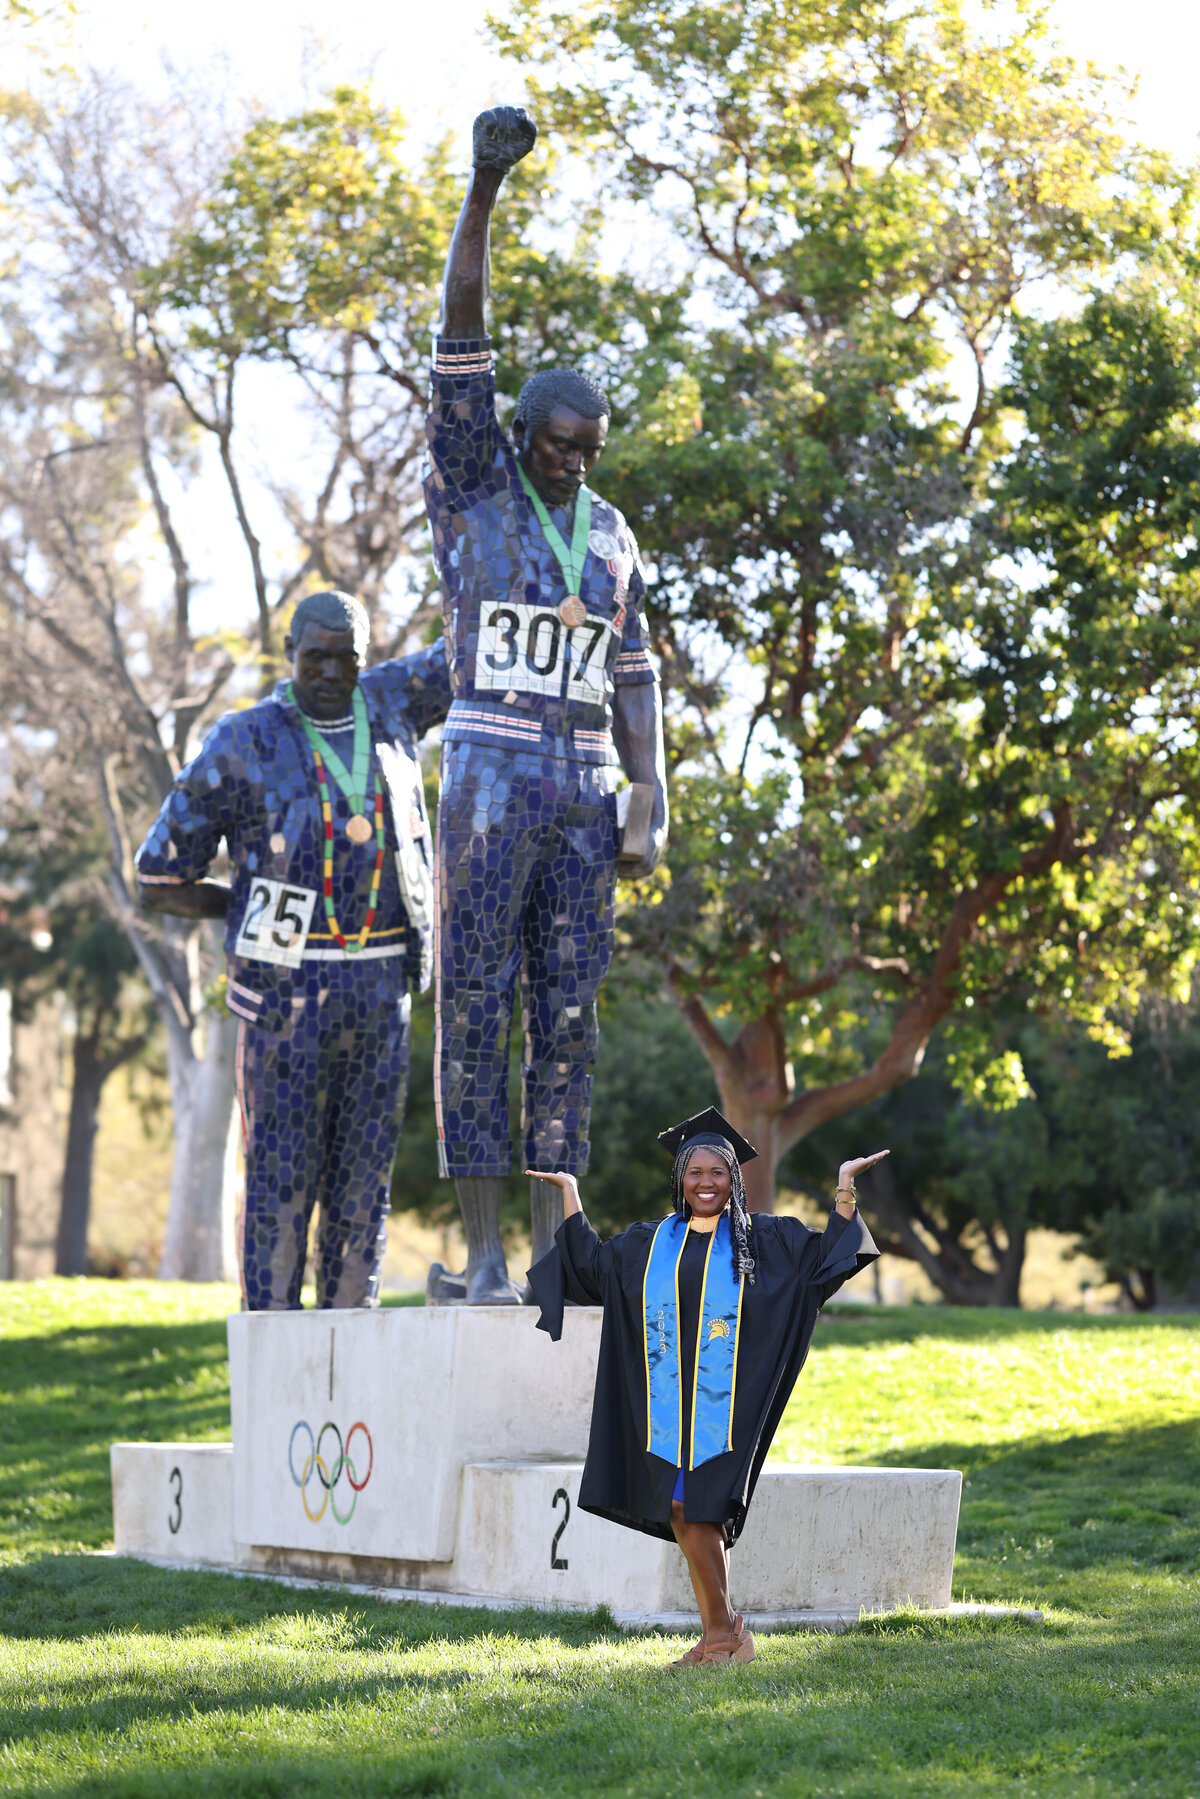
{"points": [[430, 60], [433, 62]]}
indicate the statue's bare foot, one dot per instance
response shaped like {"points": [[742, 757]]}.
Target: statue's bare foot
{"points": [[443, 1288], [488, 1284]]}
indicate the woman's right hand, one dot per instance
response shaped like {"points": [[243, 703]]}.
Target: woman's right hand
{"points": [[568, 1184]]}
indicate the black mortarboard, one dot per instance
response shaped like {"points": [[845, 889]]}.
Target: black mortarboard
{"points": [[707, 1127]]}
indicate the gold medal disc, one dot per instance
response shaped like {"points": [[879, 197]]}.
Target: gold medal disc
{"points": [[572, 612], [358, 828]]}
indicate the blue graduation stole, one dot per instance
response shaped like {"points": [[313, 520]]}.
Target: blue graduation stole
{"points": [[716, 1347]]}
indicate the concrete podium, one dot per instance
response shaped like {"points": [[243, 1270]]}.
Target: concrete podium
{"points": [[437, 1452]]}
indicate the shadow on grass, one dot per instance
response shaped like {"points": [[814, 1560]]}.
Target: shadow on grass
{"points": [[1036, 1511], [277, 1776], [981, 1701], [117, 1692], [69, 1598], [65, 1396], [66, 1597]]}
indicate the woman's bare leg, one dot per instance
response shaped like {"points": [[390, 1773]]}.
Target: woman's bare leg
{"points": [[707, 1557]]}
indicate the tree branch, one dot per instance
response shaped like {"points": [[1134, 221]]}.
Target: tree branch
{"points": [[902, 1056], [691, 1007]]}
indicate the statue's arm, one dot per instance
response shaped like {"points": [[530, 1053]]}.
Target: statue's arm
{"points": [[423, 678], [185, 899], [171, 867], [638, 735], [500, 138]]}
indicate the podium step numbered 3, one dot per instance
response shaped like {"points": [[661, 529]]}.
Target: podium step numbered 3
{"points": [[439, 1452]]}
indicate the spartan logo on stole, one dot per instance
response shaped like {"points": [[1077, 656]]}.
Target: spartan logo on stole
{"points": [[717, 1327]]}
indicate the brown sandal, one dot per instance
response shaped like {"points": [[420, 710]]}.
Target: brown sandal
{"points": [[737, 1647], [690, 1657]]}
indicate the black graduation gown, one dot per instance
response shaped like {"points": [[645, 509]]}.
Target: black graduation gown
{"points": [[796, 1270]]}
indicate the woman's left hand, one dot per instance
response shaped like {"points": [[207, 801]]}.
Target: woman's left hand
{"points": [[567, 1185], [848, 1170], [845, 1202]]}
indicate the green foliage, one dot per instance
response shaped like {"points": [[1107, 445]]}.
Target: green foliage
{"points": [[649, 1075], [1152, 1247], [960, 637], [1100, 1146], [56, 931], [960, 1166], [1123, 1148], [317, 224], [322, 227], [1079, 1445]]}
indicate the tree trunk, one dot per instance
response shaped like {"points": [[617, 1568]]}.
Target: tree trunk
{"points": [[757, 1088], [90, 1069], [88, 1075], [958, 1277], [1140, 1287], [199, 1241], [754, 1080], [761, 1128]]}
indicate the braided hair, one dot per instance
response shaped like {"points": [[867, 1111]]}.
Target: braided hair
{"points": [[739, 1212]]}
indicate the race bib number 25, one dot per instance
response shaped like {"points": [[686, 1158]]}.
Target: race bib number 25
{"points": [[275, 924], [525, 649]]}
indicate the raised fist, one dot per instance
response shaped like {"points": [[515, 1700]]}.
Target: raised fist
{"points": [[502, 137]]}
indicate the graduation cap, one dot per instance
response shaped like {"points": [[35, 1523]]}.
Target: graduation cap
{"points": [[709, 1126]]}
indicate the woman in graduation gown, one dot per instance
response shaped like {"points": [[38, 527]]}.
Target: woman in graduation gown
{"points": [[708, 1315]]}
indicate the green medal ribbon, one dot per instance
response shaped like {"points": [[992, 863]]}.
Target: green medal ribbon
{"points": [[570, 561], [352, 780]]}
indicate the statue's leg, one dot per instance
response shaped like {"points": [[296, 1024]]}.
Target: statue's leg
{"points": [[283, 1127], [489, 832], [545, 1216], [367, 1014], [487, 1282], [568, 950]]}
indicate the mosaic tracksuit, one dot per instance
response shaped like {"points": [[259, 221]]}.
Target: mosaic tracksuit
{"points": [[322, 1056], [527, 835]]}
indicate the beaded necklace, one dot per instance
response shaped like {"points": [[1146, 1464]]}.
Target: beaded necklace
{"points": [[352, 780], [351, 947], [353, 783]]}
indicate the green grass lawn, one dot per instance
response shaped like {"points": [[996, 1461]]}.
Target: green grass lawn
{"points": [[1080, 1443]]}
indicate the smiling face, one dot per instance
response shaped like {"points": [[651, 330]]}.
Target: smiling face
{"points": [[560, 456], [706, 1183], [324, 670]]}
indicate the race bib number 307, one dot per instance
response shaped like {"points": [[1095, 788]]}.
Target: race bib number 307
{"points": [[275, 924], [527, 649]]}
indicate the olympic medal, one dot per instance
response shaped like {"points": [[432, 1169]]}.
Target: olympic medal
{"points": [[358, 828], [573, 612]]}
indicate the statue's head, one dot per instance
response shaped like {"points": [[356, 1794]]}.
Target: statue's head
{"points": [[327, 645], [559, 430]]}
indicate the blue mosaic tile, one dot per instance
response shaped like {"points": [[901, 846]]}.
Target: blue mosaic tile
{"points": [[527, 849], [322, 1045], [527, 833], [519, 675]]}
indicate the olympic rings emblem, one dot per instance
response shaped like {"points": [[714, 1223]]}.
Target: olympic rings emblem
{"points": [[329, 1470]]}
